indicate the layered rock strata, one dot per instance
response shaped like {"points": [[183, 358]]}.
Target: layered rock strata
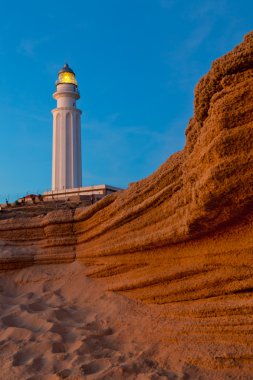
{"points": [[205, 186]]}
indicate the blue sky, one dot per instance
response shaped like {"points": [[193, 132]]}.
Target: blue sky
{"points": [[137, 63]]}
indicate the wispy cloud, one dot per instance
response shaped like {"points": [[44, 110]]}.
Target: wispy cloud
{"points": [[28, 46], [24, 114], [120, 132], [198, 36], [203, 10], [202, 18], [204, 14], [125, 151], [167, 4]]}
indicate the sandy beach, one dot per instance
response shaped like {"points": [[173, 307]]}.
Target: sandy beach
{"points": [[56, 323]]}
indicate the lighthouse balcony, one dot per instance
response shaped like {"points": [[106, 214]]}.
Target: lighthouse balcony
{"points": [[66, 87]]}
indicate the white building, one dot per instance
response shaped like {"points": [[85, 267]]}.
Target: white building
{"points": [[94, 193]]}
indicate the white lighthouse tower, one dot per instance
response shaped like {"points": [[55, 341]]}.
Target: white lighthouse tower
{"points": [[67, 162]]}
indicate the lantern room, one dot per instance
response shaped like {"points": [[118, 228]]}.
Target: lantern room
{"points": [[66, 75]]}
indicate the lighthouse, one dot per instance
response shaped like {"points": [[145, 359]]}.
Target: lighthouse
{"points": [[67, 161]]}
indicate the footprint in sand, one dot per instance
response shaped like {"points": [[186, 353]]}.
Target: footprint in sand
{"points": [[35, 307], [17, 334], [11, 320], [21, 357], [47, 286], [65, 332], [62, 315], [58, 293], [94, 367], [58, 347], [37, 363], [64, 374], [32, 308], [96, 327]]}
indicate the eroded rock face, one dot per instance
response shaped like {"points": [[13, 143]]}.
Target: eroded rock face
{"points": [[208, 184], [181, 239], [48, 238]]}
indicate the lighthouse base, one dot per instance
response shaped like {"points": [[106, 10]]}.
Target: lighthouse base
{"points": [[95, 193]]}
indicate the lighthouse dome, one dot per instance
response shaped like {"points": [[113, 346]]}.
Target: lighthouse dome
{"points": [[66, 75]]}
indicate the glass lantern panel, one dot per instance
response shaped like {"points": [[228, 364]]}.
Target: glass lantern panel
{"points": [[67, 78]]}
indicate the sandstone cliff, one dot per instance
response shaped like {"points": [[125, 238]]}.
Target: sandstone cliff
{"points": [[181, 238]]}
